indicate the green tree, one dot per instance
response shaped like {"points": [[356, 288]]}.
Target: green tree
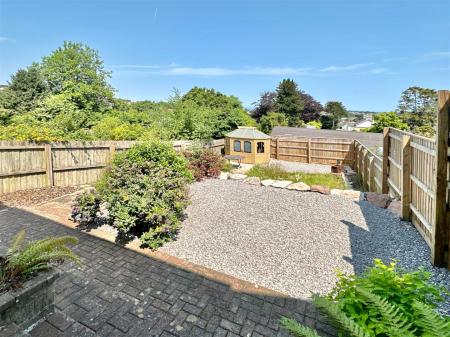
{"points": [[272, 119], [418, 108], [288, 101], [78, 71], [335, 111], [387, 119], [26, 88]]}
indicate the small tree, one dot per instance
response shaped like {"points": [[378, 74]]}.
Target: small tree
{"points": [[272, 119], [288, 100], [264, 105], [336, 111], [387, 119]]}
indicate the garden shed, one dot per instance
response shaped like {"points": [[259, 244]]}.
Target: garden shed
{"points": [[249, 143]]}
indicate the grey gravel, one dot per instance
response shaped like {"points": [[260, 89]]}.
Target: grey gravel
{"points": [[291, 166], [291, 241]]}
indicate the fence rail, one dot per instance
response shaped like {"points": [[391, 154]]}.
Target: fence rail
{"points": [[313, 150], [27, 165], [415, 170]]}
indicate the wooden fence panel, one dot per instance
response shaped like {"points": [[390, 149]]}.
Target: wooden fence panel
{"points": [[395, 162], [313, 150]]}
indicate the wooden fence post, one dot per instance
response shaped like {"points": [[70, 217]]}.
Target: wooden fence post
{"points": [[372, 187], [309, 151], [48, 164], [385, 173], [112, 152], [406, 176], [364, 160], [277, 147], [440, 231]]}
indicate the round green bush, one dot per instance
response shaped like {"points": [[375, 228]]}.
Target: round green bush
{"points": [[145, 191]]}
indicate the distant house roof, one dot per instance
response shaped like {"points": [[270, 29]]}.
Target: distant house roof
{"points": [[364, 124], [367, 138], [247, 133]]}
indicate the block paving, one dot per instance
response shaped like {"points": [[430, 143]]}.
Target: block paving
{"points": [[118, 292]]}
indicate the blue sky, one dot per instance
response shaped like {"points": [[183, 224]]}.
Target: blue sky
{"points": [[363, 53]]}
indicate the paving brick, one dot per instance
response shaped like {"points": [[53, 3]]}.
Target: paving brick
{"points": [[119, 292]]}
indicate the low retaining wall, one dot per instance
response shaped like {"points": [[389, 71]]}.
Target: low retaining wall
{"points": [[29, 304]]}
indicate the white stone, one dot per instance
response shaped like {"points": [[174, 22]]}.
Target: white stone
{"points": [[253, 180], [352, 194], [300, 186], [281, 183], [267, 182], [237, 176], [224, 175]]}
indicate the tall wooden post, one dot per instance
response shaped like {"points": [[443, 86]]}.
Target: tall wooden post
{"points": [[406, 176], [385, 173], [309, 151], [278, 148], [372, 187], [440, 231], [48, 164], [112, 152]]}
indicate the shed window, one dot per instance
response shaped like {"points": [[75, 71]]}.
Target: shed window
{"points": [[247, 146], [237, 146], [260, 147]]}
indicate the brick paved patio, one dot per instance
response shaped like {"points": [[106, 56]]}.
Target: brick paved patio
{"points": [[119, 292]]}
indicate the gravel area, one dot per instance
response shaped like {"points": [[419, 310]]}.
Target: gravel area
{"points": [[292, 166], [33, 196], [291, 241]]}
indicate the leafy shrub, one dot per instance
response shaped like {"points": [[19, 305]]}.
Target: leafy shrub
{"points": [[384, 301], [24, 260], [85, 207], [204, 163], [145, 192]]}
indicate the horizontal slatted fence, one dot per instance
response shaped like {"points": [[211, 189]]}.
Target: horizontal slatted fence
{"points": [[27, 165], [327, 151]]}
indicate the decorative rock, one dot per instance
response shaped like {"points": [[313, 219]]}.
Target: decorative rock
{"points": [[281, 183], [395, 207], [253, 180], [224, 175], [352, 194], [237, 176], [320, 189], [336, 191], [380, 200], [267, 182], [300, 186]]}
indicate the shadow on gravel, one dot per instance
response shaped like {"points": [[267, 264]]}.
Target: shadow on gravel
{"points": [[123, 293]]}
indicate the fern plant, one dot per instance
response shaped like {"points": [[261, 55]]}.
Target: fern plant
{"points": [[23, 260], [383, 302]]}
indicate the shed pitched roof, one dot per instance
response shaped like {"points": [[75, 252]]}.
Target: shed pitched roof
{"points": [[247, 133]]}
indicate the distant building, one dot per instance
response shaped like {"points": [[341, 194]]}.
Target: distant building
{"points": [[363, 125], [3, 86]]}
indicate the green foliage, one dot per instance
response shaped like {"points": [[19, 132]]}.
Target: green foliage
{"points": [[387, 119], [24, 260], [78, 71], [288, 101], [112, 128], [383, 302], [316, 124], [85, 207], [277, 173], [335, 111], [297, 329], [272, 119], [26, 88], [204, 163], [37, 132], [145, 192]]}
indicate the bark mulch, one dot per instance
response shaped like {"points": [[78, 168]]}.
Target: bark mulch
{"points": [[33, 196]]}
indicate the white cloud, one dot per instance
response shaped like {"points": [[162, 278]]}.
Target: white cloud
{"points": [[346, 68], [174, 69], [377, 71], [3, 39]]}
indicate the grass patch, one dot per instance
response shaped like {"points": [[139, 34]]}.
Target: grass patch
{"points": [[227, 166], [277, 173]]}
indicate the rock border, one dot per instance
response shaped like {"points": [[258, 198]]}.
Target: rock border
{"points": [[377, 199]]}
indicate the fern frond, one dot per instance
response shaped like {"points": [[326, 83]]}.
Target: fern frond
{"points": [[397, 324], [17, 242], [297, 329], [338, 316], [431, 322]]}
